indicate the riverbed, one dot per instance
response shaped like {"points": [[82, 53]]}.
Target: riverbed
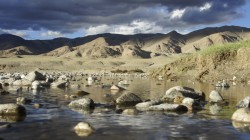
{"points": [[55, 120]]}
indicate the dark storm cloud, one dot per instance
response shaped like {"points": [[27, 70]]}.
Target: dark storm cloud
{"points": [[70, 15], [220, 11]]}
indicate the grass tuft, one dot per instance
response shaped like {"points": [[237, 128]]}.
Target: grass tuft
{"points": [[223, 48]]}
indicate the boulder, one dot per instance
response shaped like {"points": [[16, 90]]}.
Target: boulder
{"points": [[244, 103], [35, 75], [179, 91], [83, 129], [22, 82], [130, 112], [83, 103], [12, 109], [128, 99], [215, 97], [82, 93], [242, 115], [168, 107], [145, 105], [60, 84]]}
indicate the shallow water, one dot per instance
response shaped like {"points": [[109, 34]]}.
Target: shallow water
{"points": [[54, 120]]}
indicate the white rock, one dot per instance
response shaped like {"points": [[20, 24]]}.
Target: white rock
{"points": [[83, 129], [215, 96], [242, 115]]}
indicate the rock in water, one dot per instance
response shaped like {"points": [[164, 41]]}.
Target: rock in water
{"points": [[168, 107], [82, 93], [242, 115], [130, 112], [35, 75], [83, 129], [84, 103], [245, 103], [12, 109], [145, 105], [215, 97], [128, 99], [179, 91], [60, 84]]}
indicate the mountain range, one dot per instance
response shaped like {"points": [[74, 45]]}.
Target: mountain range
{"points": [[116, 45]]}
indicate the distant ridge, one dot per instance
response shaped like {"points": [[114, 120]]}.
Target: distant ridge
{"points": [[116, 45]]}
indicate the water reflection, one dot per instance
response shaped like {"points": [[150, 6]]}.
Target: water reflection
{"points": [[244, 127], [12, 118], [215, 109], [55, 120]]}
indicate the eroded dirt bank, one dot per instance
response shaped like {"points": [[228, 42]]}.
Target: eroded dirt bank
{"points": [[216, 66]]}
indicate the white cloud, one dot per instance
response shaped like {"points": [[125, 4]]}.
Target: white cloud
{"points": [[136, 26], [206, 7], [51, 34], [178, 13], [97, 29], [20, 33]]}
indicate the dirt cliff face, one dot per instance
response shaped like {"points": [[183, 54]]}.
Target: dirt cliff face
{"points": [[219, 66]]}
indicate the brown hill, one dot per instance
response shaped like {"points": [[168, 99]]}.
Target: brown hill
{"points": [[115, 45]]}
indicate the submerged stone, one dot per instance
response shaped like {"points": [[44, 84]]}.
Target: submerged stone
{"points": [[12, 109], [128, 99], [84, 103]]}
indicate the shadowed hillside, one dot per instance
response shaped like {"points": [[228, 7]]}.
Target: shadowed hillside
{"points": [[131, 46]]}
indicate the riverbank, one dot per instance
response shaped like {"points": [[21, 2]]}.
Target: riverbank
{"points": [[26, 63], [212, 64]]}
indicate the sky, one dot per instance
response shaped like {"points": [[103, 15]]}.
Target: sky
{"points": [[48, 19]]}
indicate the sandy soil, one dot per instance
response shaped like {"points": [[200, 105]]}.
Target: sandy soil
{"points": [[51, 63]]}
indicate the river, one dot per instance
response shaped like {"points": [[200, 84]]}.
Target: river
{"points": [[54, 120]]}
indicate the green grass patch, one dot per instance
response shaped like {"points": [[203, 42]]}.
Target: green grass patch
{"points": [[223, 48]]}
